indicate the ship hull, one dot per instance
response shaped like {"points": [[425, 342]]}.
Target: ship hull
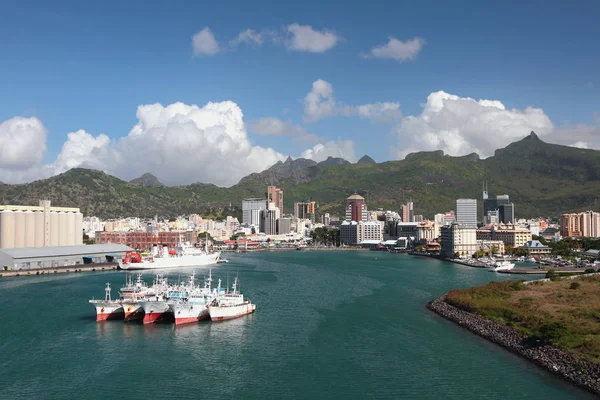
{"points": [[221, 313], [156, 311], [108, 310], [189, 313], [173, 262], [133, 312]]}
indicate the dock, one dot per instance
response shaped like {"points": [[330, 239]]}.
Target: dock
{"points": [[61, 270]]}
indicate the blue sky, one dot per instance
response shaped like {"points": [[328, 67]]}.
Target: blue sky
{"points": [[83, 66]]}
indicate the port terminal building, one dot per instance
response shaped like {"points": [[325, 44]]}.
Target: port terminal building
{"points": [[29, 258]]}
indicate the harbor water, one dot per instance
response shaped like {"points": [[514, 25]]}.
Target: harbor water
{"points": [[335, 325]]}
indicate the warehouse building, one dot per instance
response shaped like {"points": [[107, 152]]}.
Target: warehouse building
{"points": [[60, 256], [43, 226]]}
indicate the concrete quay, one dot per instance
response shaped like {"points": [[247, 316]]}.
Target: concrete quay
{"points": [[60, 270]]}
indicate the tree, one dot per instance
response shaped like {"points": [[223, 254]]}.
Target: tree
{"points": [[551, 274], [509, 250], [204, 236], [457, 255], [553, 332]]}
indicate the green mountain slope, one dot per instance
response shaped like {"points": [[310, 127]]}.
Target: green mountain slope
{"points": [[541, 178]]}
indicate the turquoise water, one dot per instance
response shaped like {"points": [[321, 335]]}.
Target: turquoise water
{"points": [[335, 325]]}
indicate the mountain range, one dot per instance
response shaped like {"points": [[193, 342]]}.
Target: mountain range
{"points": [[542, 179]]}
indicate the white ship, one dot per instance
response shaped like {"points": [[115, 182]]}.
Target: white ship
{"points": [[190, 306], [184, 255], [108, 309], [155, 304], [230, 305], [502, 266], [131, 295]]}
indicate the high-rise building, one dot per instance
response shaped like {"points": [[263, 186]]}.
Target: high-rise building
{"points": [[251, 209], [466, 212], [284, 226], [356, 208], [275, 196], [407, 212], [500, 206], [326, 219], [268, 221], [580, 224], [305, 210]]}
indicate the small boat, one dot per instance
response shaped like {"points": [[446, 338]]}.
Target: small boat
{"points": [[502, 266], [230, 305], [222, 260], [108, 309]]}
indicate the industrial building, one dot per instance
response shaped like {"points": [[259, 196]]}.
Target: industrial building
{"points": [[43, 226], [60, 256]]}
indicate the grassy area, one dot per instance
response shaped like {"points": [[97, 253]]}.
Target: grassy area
{"points": [[564, 312]]}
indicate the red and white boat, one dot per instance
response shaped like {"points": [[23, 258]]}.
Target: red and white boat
{"points": [[189, 305], [231, 305], [131, 295], [108, 309]]}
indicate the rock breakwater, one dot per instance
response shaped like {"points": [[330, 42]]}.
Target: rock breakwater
{"points": [[572, 367]]}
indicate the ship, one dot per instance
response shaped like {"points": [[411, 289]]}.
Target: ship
{"points": [[131, 295], [230, 305], [190, 305], [108, 309], [184, 255], [502, 266], [155, 304]]}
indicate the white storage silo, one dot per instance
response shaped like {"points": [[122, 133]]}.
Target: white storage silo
{"points": [[40, 229], [62, 229], [78, 228], [70, 222], [7, 229], [54, 224], [29, 228], [19, 229]]}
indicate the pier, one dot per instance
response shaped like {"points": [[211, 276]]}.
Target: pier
{"points": [[61, 270]]}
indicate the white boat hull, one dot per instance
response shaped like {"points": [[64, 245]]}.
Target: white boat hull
{"points": [[187, 313], [108, 309], [220, 313], [156, 311], [174, 262]]}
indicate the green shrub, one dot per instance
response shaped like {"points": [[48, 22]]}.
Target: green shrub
{"points": [[553, 332], [590, 271], [575, 285], [551, 274]]}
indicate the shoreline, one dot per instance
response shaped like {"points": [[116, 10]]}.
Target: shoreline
{"points": [[571, 367]]}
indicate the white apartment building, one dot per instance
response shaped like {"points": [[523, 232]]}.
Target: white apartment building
{"points": [[461, 239]]}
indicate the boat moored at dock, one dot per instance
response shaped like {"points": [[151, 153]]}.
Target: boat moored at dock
{"points": [[108, 309], [231, 305]]}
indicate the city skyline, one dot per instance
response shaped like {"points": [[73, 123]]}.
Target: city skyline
{"points": [[270, 86]]}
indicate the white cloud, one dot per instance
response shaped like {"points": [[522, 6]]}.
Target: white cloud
{"points": [[22, 142], [459, 126], [249, 36], [397, 49], [204, 43], [320, 103], [338, 148], [305, 38]]}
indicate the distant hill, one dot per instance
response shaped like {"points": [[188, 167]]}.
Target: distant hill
{"points": [[541, 178], [147, 179], [333, 161], [366, 160]]}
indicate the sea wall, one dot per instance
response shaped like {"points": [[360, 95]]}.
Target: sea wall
{"points": [[578, 370]]}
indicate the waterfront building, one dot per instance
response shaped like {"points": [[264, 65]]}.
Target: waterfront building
{"points": [[349, 232], [534, 248], [461, 239], [60, 256], [580, 224], [144, 240], [427, 231], [251, 209], [41, 226], [370, 230], [466, 211], [356, 208], [275, 196], [326, 219], [509, 234]]}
